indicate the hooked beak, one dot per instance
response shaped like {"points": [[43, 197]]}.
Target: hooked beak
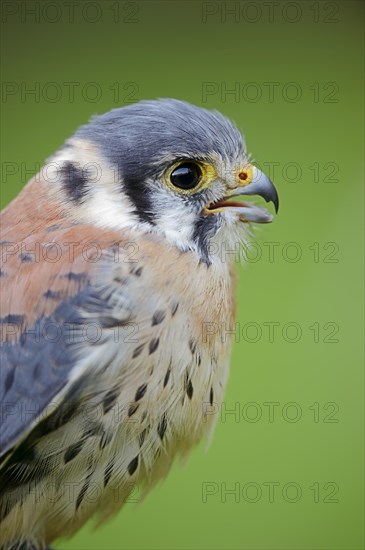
{"points": [[251, 181]]}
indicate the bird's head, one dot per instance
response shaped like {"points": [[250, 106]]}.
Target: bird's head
{"points": [[164, 166]]}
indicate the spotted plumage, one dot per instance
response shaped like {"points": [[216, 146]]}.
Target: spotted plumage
{"points": [[109, 276]]}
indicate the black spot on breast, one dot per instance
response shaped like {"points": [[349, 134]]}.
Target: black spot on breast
{"points": [[161, 428], [158, 317], [132, 409], [12, 319], [3, 273], [140, 392], [112, 322], [86, 484], [153, 345], [120, 279], [108, 472], [74, 181], [138, 350], [189, 389], [109, 400], [76, 277], [174, 308], [192, 346], [53, 227], [105, 439], [198, 359], [52, 295], [138, 272], [133, 465], [73, 451], [25, 258], [167, 376], [94, 429], [142, 437], [211, 396]]}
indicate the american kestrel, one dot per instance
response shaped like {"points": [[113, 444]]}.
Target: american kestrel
{"points": [[114, 282]]}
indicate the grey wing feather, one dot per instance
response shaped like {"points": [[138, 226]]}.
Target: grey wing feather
{"points": [[37, 369]]}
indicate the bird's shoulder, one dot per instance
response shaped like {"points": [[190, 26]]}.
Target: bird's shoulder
{"points": [[46, 267]]}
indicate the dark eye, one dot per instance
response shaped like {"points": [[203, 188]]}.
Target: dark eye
{"points": [[186, 176]]}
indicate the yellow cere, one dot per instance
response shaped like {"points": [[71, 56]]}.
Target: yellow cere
{"points": [[245, 175]]}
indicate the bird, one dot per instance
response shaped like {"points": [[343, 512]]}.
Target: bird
{"points": [[117, 290]]}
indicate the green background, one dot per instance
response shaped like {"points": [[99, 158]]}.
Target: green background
{"points": [[171, 49]]}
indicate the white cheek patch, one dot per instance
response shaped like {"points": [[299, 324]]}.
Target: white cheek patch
{"points": [[104, 203]]}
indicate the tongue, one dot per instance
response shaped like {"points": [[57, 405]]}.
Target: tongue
{"points": [[222, 204]]}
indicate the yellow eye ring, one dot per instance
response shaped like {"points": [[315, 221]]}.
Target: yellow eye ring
{"points": [[189, 176]]}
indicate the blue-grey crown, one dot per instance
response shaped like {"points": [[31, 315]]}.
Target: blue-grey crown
{"points": [[134, 138]]}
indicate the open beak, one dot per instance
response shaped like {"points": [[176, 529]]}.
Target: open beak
{"points": [[251, 181]]}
